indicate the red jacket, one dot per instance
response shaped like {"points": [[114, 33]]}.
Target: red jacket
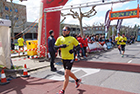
{"points": [[81, 41], [85, 42]]}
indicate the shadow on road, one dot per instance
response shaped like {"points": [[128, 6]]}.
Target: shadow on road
{"points": [[109, 66]]}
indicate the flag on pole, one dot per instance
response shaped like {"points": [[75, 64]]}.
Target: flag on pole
{"points": [[119, 22], [107, 22]]}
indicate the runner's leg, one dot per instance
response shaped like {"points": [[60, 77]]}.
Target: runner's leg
{"points": [[66, 81]]}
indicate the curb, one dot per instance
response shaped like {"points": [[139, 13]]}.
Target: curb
{"points": [[18, 56], [30, 70]]}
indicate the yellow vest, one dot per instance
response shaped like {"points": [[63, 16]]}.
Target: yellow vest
{"points": [[20, 42], [124, 39], [70, 42], [118, 39]]}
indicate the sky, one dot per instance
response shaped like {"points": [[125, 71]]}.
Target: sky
{"points": [[33, 11]]}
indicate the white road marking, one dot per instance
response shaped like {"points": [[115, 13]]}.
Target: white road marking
{"points": [[88, 71], [129, 61]]}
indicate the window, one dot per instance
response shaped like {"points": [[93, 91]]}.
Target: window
{"points": [[28, 35], [35, 35], [10, 9], [16, 10], [6, 8], [7, 17], [16, 18]]}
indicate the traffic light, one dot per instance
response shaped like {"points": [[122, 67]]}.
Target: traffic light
{"points": [[103, 1]]}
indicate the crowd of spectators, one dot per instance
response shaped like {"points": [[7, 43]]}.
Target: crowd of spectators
{"points": [[97, 38]]}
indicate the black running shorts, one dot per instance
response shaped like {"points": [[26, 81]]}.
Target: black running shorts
{"points": [[123, 47], [67, 64]]}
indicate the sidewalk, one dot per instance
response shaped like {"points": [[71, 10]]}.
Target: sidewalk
{"points": [[33, 85], [32, 64]]}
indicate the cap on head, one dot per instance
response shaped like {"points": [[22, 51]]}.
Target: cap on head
{"points": [[50, 32]]}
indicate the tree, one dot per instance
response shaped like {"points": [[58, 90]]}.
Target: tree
{"points": [[80, 16], [15, 13]]}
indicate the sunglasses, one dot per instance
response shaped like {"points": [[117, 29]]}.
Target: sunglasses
{"points": [[65, 30]]}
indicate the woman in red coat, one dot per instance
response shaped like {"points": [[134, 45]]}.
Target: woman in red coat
{"points": [[85, 44], [81, 41]]}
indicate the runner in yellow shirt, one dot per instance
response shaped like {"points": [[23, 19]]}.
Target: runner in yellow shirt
{"points": [[123, 43], [21, 44], [117, 39], [68, 45]]}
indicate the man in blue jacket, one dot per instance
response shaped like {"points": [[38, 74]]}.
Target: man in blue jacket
{"points": [[51, 43]]}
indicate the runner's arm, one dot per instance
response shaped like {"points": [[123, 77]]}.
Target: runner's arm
{"points": [[60, 46], [75, 49]]}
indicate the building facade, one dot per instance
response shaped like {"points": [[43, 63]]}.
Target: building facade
{"points": [[14, 12]]}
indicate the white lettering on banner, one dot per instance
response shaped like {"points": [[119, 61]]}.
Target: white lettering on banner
{"points": [[4, 22], [1, 22]]}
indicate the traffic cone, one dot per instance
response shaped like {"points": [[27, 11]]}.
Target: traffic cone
{"points": [[3, 78], [76, 58], [25, 73]]}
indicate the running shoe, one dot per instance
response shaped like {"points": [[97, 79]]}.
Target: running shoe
{"points": [[78, 83], [122, 55], [61, 92]]}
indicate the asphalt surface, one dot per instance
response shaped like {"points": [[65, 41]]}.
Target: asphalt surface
{"points": [[104, 69], [106, 72]]}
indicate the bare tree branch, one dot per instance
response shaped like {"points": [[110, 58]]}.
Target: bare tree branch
{"points": [[88, 14], [63, 19], [69, 14], [79, 16]]}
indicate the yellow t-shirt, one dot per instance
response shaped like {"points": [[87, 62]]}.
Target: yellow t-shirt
{"points": [[118, 39], [70, 42], [20, 42], [124, 39]]}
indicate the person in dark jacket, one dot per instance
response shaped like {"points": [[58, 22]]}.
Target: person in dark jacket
{"points": [[12, 45], [51, 43]]}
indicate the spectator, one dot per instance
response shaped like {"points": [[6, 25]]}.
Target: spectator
{"points": [[12, 45], [80, 40], [85, 45]]}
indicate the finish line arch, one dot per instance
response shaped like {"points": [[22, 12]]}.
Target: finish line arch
{"points": [[120, 15], [51, 21]]}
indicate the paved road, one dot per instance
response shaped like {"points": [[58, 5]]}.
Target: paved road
{"points": [[125, 80], [132, 55]]}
